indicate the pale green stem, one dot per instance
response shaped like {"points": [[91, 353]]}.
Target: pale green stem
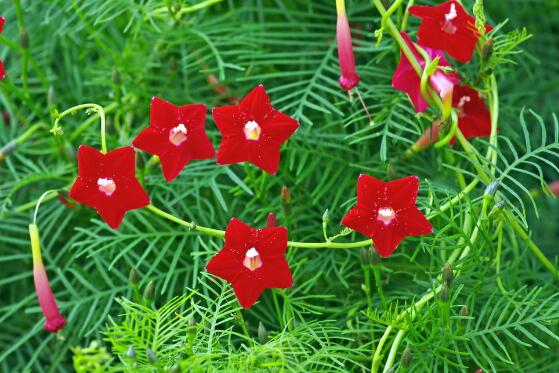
{"points": [[57, 130]]}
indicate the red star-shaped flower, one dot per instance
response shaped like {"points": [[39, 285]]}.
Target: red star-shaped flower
{"points": [[449, 27], [253, 131], [252, 260], [107, 182], [386, 212], [474, 119], [176, 134], [406, 79], [2, 70]]}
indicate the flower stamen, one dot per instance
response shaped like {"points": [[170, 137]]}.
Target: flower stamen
{"points": [[106, 186], [448, 26], [252, 259], [177, 135], [386, 215], [252, 130], [460, 107]]}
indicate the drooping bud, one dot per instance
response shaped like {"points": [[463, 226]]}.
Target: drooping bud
{"points": [[285, 200], [271, 220], [407, 356], [24, 39], [349, 77], [148, 294], [448, 274], [444, 293], [262, 333], [54, 319], [150, 354]]}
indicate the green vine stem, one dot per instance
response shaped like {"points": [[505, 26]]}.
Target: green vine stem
{"points": [[57, 130]]}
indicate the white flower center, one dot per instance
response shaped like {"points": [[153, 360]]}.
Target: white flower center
{"points": [[252, 259], [252, 130], [177, 135], [386, 215], [448, 26], [106, 186]]}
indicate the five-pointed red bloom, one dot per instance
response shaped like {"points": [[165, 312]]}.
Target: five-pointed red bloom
{"points": [[406, 79], [349, 78], [252, 260], [253, 131], [449, 27], [474, 119], [107, 182], [386, 212], [2, 70], [176, 134]]}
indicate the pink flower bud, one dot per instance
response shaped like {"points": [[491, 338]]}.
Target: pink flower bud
{"points": [[271, 221], [54, 320], [554, 187]]}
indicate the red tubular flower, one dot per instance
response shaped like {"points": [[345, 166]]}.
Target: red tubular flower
{"points": [[176, 134], [54, 320], [474, 119], [349, 78], [406, 79], [449, 27], [386, 212], [253, 131], [252, 260], [2, 70], [430, 136], [107, 182]]}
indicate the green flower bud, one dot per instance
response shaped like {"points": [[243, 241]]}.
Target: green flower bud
{"points": [[444, 296], [407, 356], [133, 276], [151, 355], [487, 49], [448, 274], [262, 333], [116, 76], [24, 39], [130, 353], [148, 293], [51, 96], [375, 258]]}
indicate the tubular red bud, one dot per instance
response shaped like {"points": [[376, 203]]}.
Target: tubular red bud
{"points": [[54, 320], [349, 78], [430, 136], [271, 221]]}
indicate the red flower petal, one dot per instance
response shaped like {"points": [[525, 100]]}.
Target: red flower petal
{"points": [[253, 131], [414, 223], [402, 193], [386, 239], [2, 71], [247, 290], [163, 114], [474, 119], [256, 104], [277, 274]]}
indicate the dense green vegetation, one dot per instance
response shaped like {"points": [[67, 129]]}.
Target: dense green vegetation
{"points": [[502, 312]]}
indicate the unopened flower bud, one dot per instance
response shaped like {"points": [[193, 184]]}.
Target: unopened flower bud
{"points": [[492, 188], [285, 200], [271, 221], [448, 274], [176, 368], [148, 293], [24, 39], [6, 117], [151, 355], [130, 353], [365, 256], [487, 49], [464, 312], [262, 333], [51, 96], [375, 258], [133, 276], [326, 217], [444, 293], [116, 76], [191, 328], [407, 357]]}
